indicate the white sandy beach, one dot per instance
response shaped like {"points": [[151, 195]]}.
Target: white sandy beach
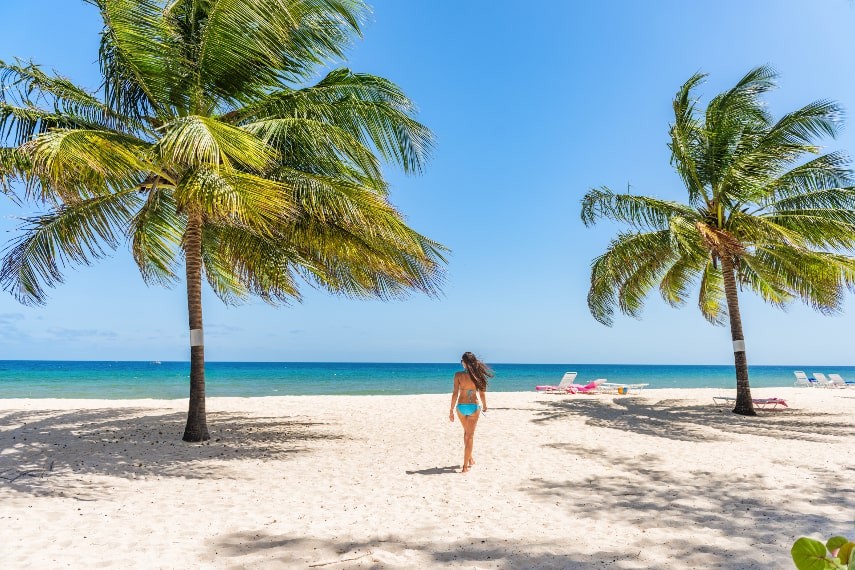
{"points": [[663, 480]]}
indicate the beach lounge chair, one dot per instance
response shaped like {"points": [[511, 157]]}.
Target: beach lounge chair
{"points": [[622, 389], [803, 380], [838, 381], [563, 386], [822, 381], [589, 388], [762, 403]]}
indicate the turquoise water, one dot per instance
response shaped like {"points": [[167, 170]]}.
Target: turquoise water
{"points": [[119, 380]]}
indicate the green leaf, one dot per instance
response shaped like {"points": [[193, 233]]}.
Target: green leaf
{"points": [[810, 554], [846, 554], [835, 542]]}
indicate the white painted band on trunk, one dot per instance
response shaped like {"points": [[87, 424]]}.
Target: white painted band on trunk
{"points": [[196, 337], [739, 346]]}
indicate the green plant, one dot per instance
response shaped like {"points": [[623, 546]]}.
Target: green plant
{"points": [[765, 212], [205, 149], [838, 553]]}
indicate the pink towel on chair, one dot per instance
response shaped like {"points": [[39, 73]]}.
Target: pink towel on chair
{"points": [[589, 387], [767, 401]]}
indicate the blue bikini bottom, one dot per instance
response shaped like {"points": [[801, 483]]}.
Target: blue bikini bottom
{"points": [[468, 409]]}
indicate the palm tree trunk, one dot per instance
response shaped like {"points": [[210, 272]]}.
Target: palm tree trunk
{"points": [[197, 426], [744, 404]]}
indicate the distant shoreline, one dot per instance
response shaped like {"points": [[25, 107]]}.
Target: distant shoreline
{"points": [[169, 380]]}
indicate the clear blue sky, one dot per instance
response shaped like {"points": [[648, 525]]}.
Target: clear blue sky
{"points": [[533, 103]]}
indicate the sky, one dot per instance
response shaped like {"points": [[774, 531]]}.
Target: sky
{"points": [[532, 104]]}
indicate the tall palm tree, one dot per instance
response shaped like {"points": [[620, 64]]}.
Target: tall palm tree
{"points": [[202, 145], [760, 215]]}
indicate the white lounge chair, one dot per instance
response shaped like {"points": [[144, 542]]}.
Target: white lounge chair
{"points": [[822, 381], [838, 381], [763, 403], [563, 386], [618, 388], [803, 380]]}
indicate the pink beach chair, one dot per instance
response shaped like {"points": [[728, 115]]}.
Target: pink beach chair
{"points": [[589, 388]]}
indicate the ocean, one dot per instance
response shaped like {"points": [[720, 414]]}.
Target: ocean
{"points": [[167, 380]]}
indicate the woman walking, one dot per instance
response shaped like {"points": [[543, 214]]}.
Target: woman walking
{"points": [[472, 379]]}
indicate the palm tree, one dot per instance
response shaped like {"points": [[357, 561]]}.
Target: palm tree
{"points": [[759, 216], [203, 146]]}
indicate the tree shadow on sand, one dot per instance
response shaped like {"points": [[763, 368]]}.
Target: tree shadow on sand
{"points": [[42, 452], [262, 549], [642, 492], [677, 420]]}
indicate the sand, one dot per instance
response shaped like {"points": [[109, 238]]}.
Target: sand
{"points": [[662, 480]]}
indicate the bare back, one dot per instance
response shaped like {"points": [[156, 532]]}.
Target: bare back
{"points": [[467, 390]]}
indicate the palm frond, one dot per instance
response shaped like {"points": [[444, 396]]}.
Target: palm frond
{"points": [[15, 168], [237, 196], [824, 182], [371, 109], [144, 67], [639, 212], [245, 47], [624, 274], [73, 234], [240, 262], [678, 281], [37, 101], [333, 198], [362, 264], [733, 121], [753, 230], [755, 273], [156, 232], [194, 141], [824, 228], [81, 163], [818, 278], [687, 140], [711, 299], [772, 150], [308, 142]]}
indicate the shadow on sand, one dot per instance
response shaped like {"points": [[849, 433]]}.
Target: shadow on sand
{"points": [[675, 419], [436, 470], [37, 446], [262, 549], [641, 491]]}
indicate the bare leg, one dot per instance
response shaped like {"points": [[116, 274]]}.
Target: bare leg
{"points": [[468, 423], [473, 422]]}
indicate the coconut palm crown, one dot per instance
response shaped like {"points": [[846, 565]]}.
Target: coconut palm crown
{"points": [[766, 212], [203, 148]]}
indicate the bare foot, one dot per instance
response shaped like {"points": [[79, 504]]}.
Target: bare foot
{"points": [[471, 461]]}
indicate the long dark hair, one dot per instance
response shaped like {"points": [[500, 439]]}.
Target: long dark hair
{"points": [[478, 371]]}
